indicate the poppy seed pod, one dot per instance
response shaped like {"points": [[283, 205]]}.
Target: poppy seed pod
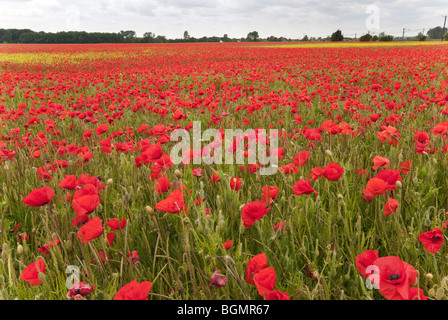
{"points": [[149, 210], [177, 173], [19, 249]]}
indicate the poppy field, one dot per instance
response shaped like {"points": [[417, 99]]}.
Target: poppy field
{"points": [[94, 206]]}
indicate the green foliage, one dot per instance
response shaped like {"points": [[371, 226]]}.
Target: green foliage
{"points": [[337, 36], [366, 37]]}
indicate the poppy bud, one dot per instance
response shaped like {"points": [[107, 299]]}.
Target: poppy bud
{"points": [[19, 249], [427, 222], [178, 174], [431, 292], [6, 167], [440, 294], [5, 255], [41, 276], [68, 244], [290, 179], [149, 210], [109, 182], [398, 184], [329, 153], [218, 201], [316, 275], [434, 160]]}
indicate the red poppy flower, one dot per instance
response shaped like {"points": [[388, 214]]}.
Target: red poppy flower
{"points": [[81, 219], [316, 173], [301, 158], [405, 167], [332, 171], [391, 176], [265, 281], [279, 226], [197, 172], [432, 240], [85, 200], [380, 162], [235, 183], [39, 197], [252, 212], [134, 257], [269, 194], [102, 129], [254, 265], [215, 177], [395, 277], [218, 280], [416, 293], [46, 247], [91, 230], [277, 295], [162, 185], [390, 206], [364, 260], [110, 238], [69, 182], [227, 245], [31, 273], [116, 224], [79, 290], [174, 203], [374, 187], [134, 291], [303, 187]]}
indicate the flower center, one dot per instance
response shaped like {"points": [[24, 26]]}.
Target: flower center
{"points": [[394, 277]]}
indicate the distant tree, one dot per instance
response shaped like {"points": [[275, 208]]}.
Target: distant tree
{"points": [[225, 38], [366, 37], [253, 36], [272, 39], [305, 38], [421, 37], [148, 37], [435, 33], [337, 36], [375, 38], [386, 38], [161, 39], [186, 36], [128, 35]]}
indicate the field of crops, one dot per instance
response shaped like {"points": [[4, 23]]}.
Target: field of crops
{"points": [[97, 205]]}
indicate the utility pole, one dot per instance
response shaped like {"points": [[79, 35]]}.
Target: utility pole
{"points": [[403, 32], [443, 30]]}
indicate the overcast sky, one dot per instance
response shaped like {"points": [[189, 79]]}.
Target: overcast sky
{"points": [[288, 18]]}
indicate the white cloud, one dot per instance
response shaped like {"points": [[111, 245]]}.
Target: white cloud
{"points": [[290, 18]]}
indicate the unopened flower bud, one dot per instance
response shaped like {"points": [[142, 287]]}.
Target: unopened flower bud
{"points": [[429, 276], [20, 249], [109, 182], [177, 173], [399, 184], [329, 153], [149, 210]]}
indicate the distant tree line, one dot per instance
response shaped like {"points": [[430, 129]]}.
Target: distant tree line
{"points": [[129, 36]]}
